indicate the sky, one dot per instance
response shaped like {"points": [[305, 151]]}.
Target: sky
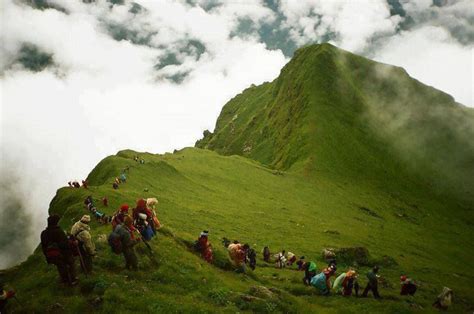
{"points": [[81, 80]]}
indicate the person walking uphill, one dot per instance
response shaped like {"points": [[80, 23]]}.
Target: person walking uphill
{"points": [[321, 281], [123, 240], [119, 216], [310, 269], [237, 254], [56, 249], [203, 246], [81, 232], [372, 285]]}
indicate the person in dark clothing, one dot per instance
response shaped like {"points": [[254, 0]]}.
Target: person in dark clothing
{"points": [[310, 270], [4, 296], [251, 258], [372, 285], [203, 246], [350, 282], [129, 240], [266, 254], [300, 263], [408, 286], [55, 246]]}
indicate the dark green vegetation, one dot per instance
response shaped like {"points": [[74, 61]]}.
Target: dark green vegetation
{"points": [[33, 58], [339, 151]]}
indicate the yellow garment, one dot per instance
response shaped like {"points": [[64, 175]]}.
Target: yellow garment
{"points": [[81, 231]]}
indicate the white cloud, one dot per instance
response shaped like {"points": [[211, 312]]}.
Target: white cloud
{"points": [[353, 23], [430, 55], [109, 98]]}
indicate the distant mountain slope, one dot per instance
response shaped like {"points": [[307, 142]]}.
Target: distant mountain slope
{"points": [[334, 113]]}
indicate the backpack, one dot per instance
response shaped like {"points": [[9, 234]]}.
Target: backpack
{"points": [[147, 233], [53, 253], [115, 242]]}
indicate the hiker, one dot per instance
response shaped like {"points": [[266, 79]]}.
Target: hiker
{"points": [[290, 258], [85, 184], [123, 178], [126, 169], [115, 185], [55, 245], [444, 299], [76, 184], [408, 286], [123, 240], [337, 284], [142, 161], [350, 281], [266, 254], [85, 245], [88, 201], [141, 208], [251, 258], [321, 281], [310, 269], [280, 259], [372, 285], [119, 217], [203, 246], [151, 203], [4, 296], [70, 184], [105, 201], [300, 263], [144, 227], [237, 254], [117, 180]]}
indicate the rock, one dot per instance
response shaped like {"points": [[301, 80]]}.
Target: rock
{"points": [[261, 292], [328, 254], [332, 232], [102, 238]]}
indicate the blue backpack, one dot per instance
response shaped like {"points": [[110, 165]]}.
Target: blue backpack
{"points": [[147, 233]]}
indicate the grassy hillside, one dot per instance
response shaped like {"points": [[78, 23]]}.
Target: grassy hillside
{"points": [[337, 152], [241, 199], [333, 113]]}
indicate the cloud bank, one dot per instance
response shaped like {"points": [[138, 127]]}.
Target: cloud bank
{"points": [[80, 80]]}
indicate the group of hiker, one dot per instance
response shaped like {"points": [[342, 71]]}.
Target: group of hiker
{"points": [[77, 185], [63, 249], [242, 255]]}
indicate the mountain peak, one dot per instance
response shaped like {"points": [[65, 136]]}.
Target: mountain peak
{"points": [[334, 112]]}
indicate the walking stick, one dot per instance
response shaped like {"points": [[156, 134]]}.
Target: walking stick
{"points": [[81, 260]]}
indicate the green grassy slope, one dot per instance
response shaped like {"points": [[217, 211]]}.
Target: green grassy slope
{"points": [[339, 151], [333, 113], [241, 199]]}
